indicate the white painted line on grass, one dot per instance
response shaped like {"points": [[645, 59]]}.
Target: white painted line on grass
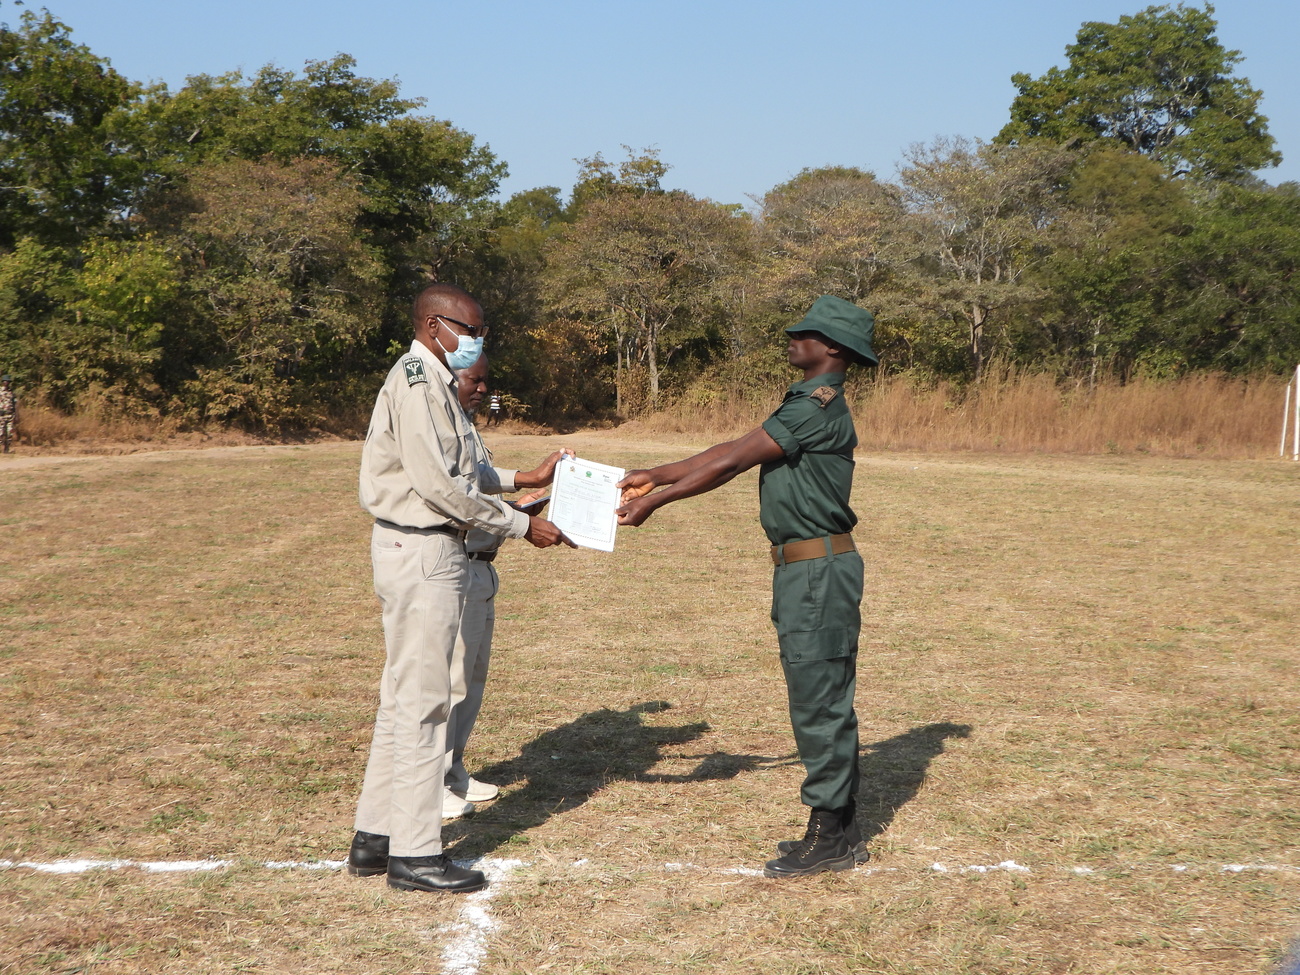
{"points": [[305, 864], [1008, 865], [464, 951], [149, 866], [461, 955], [502, 868]]}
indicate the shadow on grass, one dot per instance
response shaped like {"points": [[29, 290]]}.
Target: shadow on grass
{"points": [[564, 767], [893, 771]]}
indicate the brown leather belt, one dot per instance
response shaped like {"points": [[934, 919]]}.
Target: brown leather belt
{"points": [[812, 548], [483, 556]]}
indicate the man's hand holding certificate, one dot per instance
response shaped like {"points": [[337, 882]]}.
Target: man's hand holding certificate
{"points": [[584, 497]]}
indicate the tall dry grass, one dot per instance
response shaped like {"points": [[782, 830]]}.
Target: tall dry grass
{"points": [[1203, 415], [45, 430], [41, 426]]}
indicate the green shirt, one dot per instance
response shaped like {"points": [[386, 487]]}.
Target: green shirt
{"points": [[806, 493]]}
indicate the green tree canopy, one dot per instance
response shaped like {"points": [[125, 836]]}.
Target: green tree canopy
{"points": [[1158, 82], [985, 215], [61, 174], [1107, 272], [1234, 295], [426, 185], [834, 230], [646, 269], [283, 279], [638, 175]]}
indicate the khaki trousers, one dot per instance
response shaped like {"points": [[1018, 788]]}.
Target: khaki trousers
{"points": [[420, 579], [469, 667]]}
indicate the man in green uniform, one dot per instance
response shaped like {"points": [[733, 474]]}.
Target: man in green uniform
{"points": [[805, 449]]}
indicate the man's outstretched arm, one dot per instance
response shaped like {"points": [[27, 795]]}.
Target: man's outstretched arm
{"points": [[695, 475], [639, 482]]}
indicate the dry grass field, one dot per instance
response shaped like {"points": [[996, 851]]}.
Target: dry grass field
{"points": [[1078, 671]]}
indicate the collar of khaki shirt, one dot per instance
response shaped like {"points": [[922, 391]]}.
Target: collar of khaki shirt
{"points": [[426, 354]]}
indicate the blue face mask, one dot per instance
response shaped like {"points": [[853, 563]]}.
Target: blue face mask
{"points": [[465, 354]]}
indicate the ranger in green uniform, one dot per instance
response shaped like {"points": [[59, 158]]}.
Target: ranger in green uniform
{"points": [[805, 449]]}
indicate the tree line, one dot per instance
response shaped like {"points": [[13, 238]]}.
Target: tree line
{"points": [[243, 250]]}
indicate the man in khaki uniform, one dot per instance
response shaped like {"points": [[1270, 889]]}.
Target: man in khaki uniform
{"points": [[422, 479], [469, 663]]}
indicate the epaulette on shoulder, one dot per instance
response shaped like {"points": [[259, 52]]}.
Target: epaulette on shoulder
{"points": [[823, 395], [413, 366]]}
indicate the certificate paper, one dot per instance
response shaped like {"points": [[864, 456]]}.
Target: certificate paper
{"points": [[583, 499]]}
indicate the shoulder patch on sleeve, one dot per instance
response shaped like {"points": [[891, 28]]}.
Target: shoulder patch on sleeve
{"points": [[823, 395], [414, 370]]}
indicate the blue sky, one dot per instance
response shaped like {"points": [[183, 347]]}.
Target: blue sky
{"points": [[736, 96]]}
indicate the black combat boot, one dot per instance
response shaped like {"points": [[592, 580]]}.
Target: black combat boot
{"points": [[823, 847], [369, 855], [853, 835]]}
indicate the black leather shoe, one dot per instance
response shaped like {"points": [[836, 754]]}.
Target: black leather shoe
{"points": [[369, 855], [822, 848], [435, 873]]}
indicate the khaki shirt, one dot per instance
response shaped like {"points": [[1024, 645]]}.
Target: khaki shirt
{"points": [[480, 541], [421, 466]]}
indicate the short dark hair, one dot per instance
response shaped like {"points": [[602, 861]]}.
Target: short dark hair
{"points": [[439, 299]]}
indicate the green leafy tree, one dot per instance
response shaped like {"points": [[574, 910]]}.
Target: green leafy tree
{"points": [[504, 272], [37, 284], [61, 174], [834, 230], [1157, 82], [644, 267], [85, 329], [285, 282], [1233, 298], [598, 179], [985, 216], [127, 291], [1107, 273], [426, 185]]}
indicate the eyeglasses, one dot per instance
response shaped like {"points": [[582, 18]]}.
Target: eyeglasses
{"points": [[473, 331]]}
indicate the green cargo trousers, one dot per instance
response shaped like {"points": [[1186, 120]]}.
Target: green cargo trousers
{"points": [[816, 606]]}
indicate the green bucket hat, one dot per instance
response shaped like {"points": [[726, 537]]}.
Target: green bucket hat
{"points": [[843, 322]]}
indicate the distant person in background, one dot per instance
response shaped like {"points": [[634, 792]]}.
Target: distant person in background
{"points": [[494, 410], [469, 662], [8, 411]]}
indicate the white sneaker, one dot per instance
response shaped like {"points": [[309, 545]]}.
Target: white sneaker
{"points": [[453, 806], [476, 791]]}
